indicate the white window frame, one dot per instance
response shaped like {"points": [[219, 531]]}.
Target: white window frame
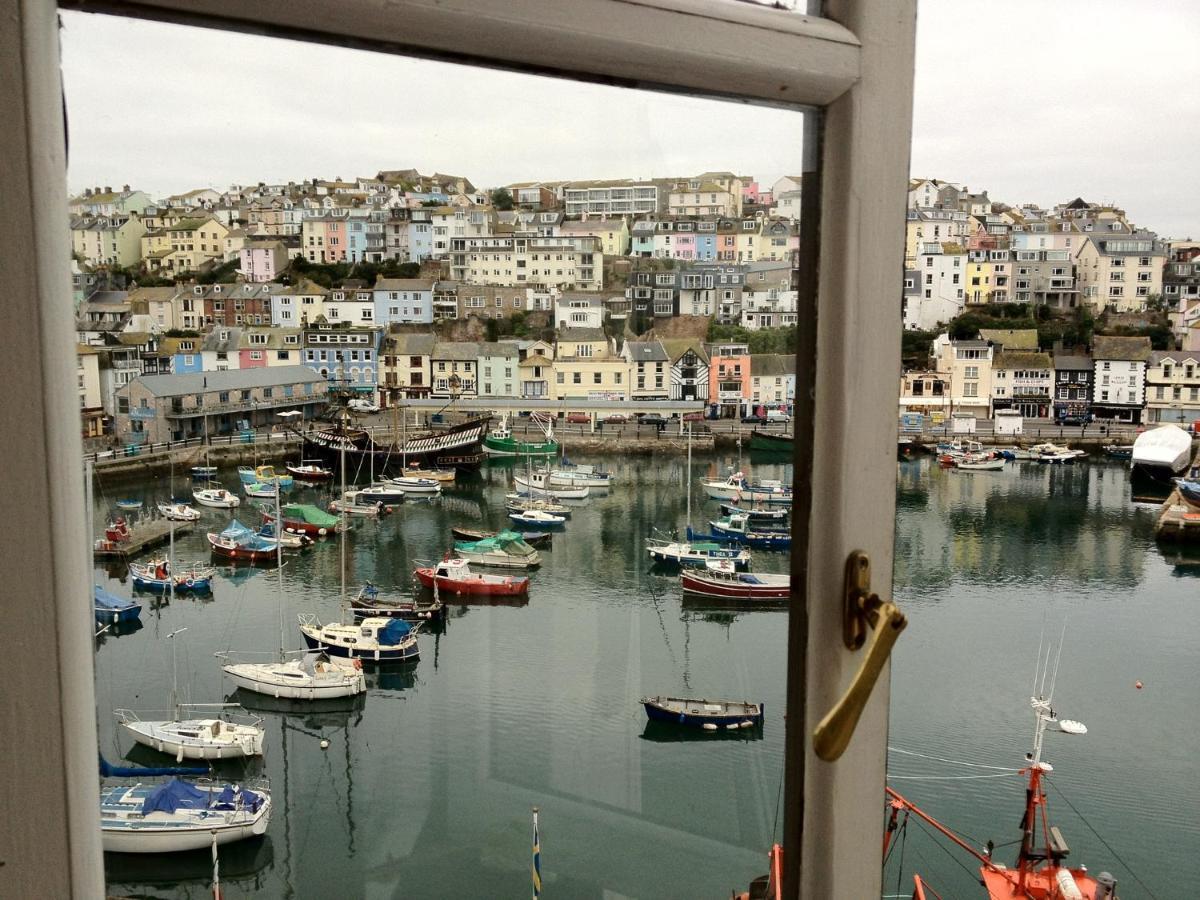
{"points": [[855, 67]]}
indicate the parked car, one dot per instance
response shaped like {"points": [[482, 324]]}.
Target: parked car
{"points": [[363, 406], [578, 418], [753, 419], [652, 419], [616, 419]]}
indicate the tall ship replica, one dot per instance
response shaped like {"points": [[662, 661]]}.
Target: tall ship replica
{"points": [[456, 447]]}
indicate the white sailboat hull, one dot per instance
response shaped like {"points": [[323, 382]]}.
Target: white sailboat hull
{"points": [[285, 681], [123, 829], [538, 488], [194, 739], [500, 560]]}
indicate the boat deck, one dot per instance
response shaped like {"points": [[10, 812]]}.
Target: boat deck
{"points": [[143, 536], [1178, 521]]}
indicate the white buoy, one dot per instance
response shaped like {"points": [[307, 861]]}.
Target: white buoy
{"points": [[732, 726], [1070, 726], [324, 743], [709, 726]]}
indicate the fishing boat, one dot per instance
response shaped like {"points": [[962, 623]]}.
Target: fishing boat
{"points": [[521, 501], [368, 602], [738, 528], [725, 582], [291, 540], [199, 736], [1161, 453], [241, 544], [569, 474], [454, 576], [500, 442], [695, 553], [538, 484], [504, 551], [973, 463], [178, 512], [268, 475], [246, 475], [261, 491], [737, 488], [204, 473], [310, 471], [1118, 451], [290, 674], [1039, 870], [532, 538], [759, 516], [538, 518], [111, 609], [410, 484], [385, 492], [176, 816], [129, 505], [217, 497], [374, 639], [351, 504], [708, 715], [304, 518], [766, 442], [159, 576]]}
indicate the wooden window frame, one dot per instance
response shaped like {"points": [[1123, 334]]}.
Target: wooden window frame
{"points": [[854, 68]]}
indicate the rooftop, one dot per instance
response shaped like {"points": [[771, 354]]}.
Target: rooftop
{"points": [[230, 380], [1122, 348]]}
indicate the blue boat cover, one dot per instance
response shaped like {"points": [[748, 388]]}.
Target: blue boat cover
{"points": [[173, 795], [394, 632], [246, 538], [110, 601], [108, 770], [228, 799]]}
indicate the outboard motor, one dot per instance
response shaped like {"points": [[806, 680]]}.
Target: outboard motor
{"points": [[1106, 887]]}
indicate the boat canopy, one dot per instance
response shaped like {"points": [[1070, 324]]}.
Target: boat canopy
{"points": [[394, 632], [505, 542], [246, 538], [174, 795], [110, 601], [233, 797], [310, 514], [108, 770]]}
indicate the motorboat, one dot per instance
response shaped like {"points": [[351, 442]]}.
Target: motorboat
{"points": [[738, 489], [454, 576], [410, 484], [532, 538], [310, 471], [216, 496], [179, 512], [724, 581], [159, 576], [351, 504], [204, 473], [304, 518], [1054, 454], [579, 475], [520, 501], [369, 602], [375, 639], [246, 474], [1161, 453], [289, 540], [538, 484], [110, 609], [705, 714], [241, 544], [695, 553], [537, 518], [260, 490], [501, 442], [268, 475], [505, 551], [738, 528], [979, 463], [759, 516], [384, 492]]}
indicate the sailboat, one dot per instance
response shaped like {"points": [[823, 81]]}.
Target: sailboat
{"points": [[308, 676], [412, 483], [694, 553], [374, 638], [199, 736]]}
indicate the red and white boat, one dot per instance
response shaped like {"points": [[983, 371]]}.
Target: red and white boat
{"points": [[309, 471], [454, 576], [1039, 872], [721, 579]]}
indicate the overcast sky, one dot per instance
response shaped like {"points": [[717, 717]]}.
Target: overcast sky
{"points": [[1034, 101]]}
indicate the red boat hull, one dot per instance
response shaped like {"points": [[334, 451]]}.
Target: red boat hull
{"points": [[251, 556], [299, 526], [309, 476], [475, 585], [719, 587]]}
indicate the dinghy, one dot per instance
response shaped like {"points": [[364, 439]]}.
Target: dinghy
{"points": [[709, 715]]}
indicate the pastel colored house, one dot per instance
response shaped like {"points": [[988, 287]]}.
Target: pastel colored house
{"points": [[107, 240], [729, 372], [297, 305], [262, 260], [649, 370], [406, 366], [403, 300], [587, 368], [261, 347], [499, 374]]}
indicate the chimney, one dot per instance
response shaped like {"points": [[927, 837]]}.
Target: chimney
{"points": [[125, 188], [107, 189]]}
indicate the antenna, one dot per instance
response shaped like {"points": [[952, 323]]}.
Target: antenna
{"points": [[1038, 663], [1057, 660]]}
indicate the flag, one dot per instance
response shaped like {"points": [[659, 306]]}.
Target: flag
{"points": [[536, 871]]}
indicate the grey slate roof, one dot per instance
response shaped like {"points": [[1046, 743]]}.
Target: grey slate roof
{"points": [[581, 334], [496, 348], [767, 365], [403, 284], [646, 351], [214, 342], [230, 380], [1073, 363], [1120, 348], [462, 350]]}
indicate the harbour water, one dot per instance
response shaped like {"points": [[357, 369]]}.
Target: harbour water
{"points": [[427, 783]]}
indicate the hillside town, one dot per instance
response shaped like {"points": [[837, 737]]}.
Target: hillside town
{"points": [[409, 286]]}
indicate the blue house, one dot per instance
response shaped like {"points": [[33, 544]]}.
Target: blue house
{"points": [[346, 356], [405, 300], [186, 354]]}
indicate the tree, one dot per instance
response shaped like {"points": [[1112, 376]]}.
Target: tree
{"points": [[502, 199]]}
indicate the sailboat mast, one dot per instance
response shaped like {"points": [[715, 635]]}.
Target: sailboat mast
{"points": [[688, 487], [279, 561], [342, 541], [175, 671]]}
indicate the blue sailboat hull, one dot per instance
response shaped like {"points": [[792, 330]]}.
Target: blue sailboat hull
{"points": [[396, 654]]}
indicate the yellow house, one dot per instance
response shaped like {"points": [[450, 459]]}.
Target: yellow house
{"points": [[586, 368], [613, 233], [979, 277], [195, 242], [107, 240], [156, 247]]}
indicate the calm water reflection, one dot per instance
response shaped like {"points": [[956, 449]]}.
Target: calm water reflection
{"points": [[427, 782]]}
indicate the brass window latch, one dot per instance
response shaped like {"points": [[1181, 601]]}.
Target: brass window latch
{"points": [[862, 611]]}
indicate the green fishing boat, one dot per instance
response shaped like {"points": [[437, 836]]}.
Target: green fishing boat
{"points": [[500, 442], [764, 442]]}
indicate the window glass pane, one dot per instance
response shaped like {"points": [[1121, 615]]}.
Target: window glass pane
{"points": [[637, 293]]}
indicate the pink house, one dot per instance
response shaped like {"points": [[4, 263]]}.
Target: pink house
{"points": [[262, 260], [729, 377], [335, 240], [684, 246], [751, 193]]}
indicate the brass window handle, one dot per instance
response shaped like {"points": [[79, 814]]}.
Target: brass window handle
{"points": [[861, 611]]}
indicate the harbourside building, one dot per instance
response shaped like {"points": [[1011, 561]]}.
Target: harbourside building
{"points": [[1022, 380], [156, 408], [966, 368], [1119, 377], [1072, 387], [1173, 387]]}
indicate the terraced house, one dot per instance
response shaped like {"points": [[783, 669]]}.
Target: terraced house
{"points": [[1120, 270], [587, 368], [1173, 387], [345, 355], [562, 262], [114, 240]]}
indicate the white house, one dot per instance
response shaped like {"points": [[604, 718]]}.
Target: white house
{"points": [[1119, 381]]}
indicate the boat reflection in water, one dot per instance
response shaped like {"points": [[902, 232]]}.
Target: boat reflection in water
{"points": [[670, 733], [244, 865]]}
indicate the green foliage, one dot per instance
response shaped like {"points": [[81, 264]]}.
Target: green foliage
{"points": [[914, 348], [491, 329], [226, 273], [331, 275], [764, 340], [502, 199], [182, 332]]}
